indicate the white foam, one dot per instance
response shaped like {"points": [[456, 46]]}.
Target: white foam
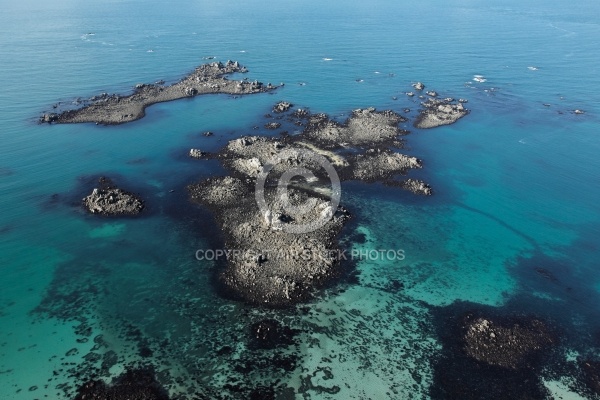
{"points": [[532, 68], [327, 59]]}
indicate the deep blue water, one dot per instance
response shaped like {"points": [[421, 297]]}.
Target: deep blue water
{"points": [[516, 183]]}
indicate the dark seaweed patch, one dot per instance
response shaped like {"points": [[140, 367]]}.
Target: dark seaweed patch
{"points": [[140, 384]]}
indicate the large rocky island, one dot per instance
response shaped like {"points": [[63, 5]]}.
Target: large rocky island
{"points": [[277, 255], [115, 109]]}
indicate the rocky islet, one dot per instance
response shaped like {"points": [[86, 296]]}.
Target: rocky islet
{"points": [[112, 109], [109, 200]]}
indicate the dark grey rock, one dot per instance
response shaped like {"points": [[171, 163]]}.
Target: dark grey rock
{"points": [[111, 201], [282, 106]]}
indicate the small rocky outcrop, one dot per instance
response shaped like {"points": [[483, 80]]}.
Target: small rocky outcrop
{"points": [[301, 113], [418, 86], [365, 127], [273, 125], [137, 384], [417, 187], [506, 345], [196, 153], [49, 118], [488, 354], [377, 165], [282, 107], [112, 201], [439, 112]]}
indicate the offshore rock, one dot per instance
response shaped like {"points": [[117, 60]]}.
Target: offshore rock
{"points": [[112, 201], [196, 153], [282, 106], [506, 345], [439, 112]]}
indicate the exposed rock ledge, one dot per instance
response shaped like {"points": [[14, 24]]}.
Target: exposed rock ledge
{"points": [[116, 109], [112, 201]]}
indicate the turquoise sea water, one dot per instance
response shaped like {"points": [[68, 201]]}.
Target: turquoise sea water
{"points": [[516, 189]]}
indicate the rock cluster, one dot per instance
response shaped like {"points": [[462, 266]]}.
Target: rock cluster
{"points": [[417, 187], [49, 118], [439, 112], [506, 345], [282, 107], [375, 165], [365, 127], [273, 125], [112, 201], [277, 263], [489, 354], [196, 153]]}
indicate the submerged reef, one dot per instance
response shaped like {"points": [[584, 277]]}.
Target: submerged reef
{"points": [[133, 384], [116, 109]]}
